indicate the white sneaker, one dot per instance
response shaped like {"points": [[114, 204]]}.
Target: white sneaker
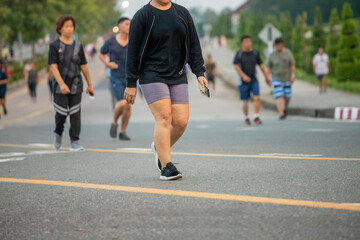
{"points": [[75, 147]]}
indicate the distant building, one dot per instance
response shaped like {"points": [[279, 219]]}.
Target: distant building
{"points": [[235, 15]]}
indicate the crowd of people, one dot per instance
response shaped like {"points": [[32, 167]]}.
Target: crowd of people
{"points": [[149, 55]]}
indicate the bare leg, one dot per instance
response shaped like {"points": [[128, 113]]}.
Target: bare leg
{"points": [[180, 118], [161, 111], [280, 105], [125, 117], [287, 101], [246, 108], [325, 79], [257, 104], [118, 111]]}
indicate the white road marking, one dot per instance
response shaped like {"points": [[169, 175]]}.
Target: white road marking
{"points": [[40, 144], [19, 156], [203, 126], [136, 149], [248, 129], [319, 130], [12, 154], [11, 159], [291, 154]]}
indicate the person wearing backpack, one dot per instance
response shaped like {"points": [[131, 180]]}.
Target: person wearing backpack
{"points": [[67, 61], [245, 62]]}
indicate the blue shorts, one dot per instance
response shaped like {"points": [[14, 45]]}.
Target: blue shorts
{"points": [[281, 89], [247, 88], [118, 86], [3, 89]]}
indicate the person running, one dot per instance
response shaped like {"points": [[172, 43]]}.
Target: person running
{"points": [[117, 47], [321, 66], [67, 61], [163, 39], [281, 65], [4, 80], [32, 79], [245, 62], [211, 71]]}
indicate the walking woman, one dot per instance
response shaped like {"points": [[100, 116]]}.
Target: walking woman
{"points": [[67, 61], [163, 39], [4, 80]]}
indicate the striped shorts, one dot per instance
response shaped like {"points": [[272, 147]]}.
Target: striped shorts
{"points": [[281, 89]]}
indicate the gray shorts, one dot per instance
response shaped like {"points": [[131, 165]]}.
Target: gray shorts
{"points": [[157, 91]]}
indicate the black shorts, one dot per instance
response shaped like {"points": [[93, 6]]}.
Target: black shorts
{"points": [[321, 76]]}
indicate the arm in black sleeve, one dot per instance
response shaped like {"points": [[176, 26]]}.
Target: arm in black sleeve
{"points": [[136, 36], [83, 60], [53, 55], [258, 59], [196, 60]]}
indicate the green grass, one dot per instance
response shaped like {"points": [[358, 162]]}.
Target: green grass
{"points": [[352, 87]]}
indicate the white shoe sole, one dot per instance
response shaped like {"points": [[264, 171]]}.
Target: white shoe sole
{"points": [[171, 178], [76, 149], [156, 156]]}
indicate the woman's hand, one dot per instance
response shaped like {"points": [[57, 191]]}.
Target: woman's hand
{"points": [[64, 89], [129, 95], [202, 81]]}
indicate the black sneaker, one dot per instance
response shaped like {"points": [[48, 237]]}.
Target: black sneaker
{"points": [[157, 160], [283, 117], [285, 113], [124, 136], [113, 130], [257, 121], [5, 111], [247, 122], [170, 172]]}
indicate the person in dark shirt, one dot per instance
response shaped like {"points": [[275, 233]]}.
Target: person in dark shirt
{"points": [[67, 61], [245, 62], [162, 40], [117, 46], [4, 80], [31, 77], [210, 72]]}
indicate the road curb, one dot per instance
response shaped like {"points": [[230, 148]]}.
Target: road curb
{"points": [[306, 112]]}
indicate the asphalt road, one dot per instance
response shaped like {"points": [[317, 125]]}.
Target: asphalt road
{"points": [[293, 179]]}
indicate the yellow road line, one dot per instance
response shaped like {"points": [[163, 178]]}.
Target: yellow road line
{"points": [[189, 154], [217, 196]]}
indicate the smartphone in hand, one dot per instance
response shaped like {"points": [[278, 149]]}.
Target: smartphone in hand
{"points": [[91, 96], [205, 90]]}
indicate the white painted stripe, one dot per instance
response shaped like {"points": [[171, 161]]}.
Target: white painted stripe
{"points": [[136, 149], [60, 111], [203, 126], [354, 113], [337, 113], [11, 159], [12, 154], [74, 111], [291, 154], [319, 130], [248, 129], [40, 144], [345, 113]]}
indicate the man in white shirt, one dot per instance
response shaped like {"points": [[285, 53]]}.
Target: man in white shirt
{"points": [[321, 66]]}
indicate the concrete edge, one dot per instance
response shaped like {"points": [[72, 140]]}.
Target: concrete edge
{"points": [[307, 112]]}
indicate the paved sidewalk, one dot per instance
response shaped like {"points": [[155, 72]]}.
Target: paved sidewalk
{"points": [[306, 100]]}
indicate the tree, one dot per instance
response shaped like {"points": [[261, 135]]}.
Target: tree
{"points": [[285, 27], [298, 41], [222, 25], [348, 55], [333, 39], [318, 38]]}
